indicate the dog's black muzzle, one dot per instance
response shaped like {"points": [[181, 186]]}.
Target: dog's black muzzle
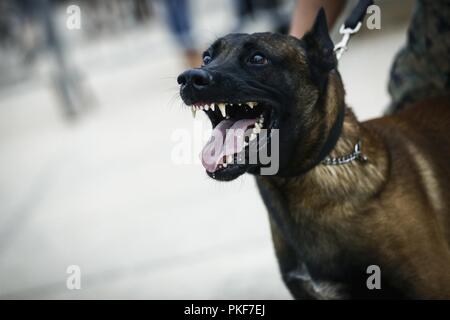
{"points": [[194, 82]]}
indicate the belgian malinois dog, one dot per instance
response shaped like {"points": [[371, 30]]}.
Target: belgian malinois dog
{"points": [[348, 197]]}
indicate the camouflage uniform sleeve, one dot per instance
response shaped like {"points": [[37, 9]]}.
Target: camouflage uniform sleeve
{"points": [[422, 68]]}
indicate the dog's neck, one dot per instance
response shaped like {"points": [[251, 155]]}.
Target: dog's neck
{"points": [[340, 186], [354, 181]]}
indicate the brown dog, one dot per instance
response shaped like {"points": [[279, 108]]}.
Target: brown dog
{"points": [[336, 211]]}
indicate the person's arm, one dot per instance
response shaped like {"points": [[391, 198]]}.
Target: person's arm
{"points": [[305, 13]]}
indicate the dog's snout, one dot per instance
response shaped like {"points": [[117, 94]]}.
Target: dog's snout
{"points": [[200, 78], [182, 79], [196, 77]]}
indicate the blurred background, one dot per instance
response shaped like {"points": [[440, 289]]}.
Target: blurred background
{"points": [[87, 173]]}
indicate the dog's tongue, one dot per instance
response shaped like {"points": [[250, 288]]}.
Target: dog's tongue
{"points": [[226, 139]]}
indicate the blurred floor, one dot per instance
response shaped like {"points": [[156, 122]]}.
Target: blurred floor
{"points": [[104, 194]]}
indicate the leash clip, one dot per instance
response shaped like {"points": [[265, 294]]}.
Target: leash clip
{"points": [[341, 47]]}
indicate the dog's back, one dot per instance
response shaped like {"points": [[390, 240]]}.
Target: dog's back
{"points": [[418, 143], [421, 132]]}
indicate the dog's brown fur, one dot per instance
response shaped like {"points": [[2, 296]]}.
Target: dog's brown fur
{"points": [[330, 223], [395, 208]]}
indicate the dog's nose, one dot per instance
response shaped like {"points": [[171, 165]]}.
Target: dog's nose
{"points": [[196, 77]]}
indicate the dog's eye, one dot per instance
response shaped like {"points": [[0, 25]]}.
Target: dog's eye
{"points": [[258, 59], [206, 59]]}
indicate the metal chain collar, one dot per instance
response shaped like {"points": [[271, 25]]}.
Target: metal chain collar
{"points": [[355, 155]]}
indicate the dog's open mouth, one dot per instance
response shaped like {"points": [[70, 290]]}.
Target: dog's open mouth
{"points": [[239, 129]]}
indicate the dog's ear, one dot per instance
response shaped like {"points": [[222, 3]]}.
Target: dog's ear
{"points": [[320, 48]]}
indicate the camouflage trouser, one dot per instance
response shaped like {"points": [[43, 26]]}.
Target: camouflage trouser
{"points": [[422, 68]]}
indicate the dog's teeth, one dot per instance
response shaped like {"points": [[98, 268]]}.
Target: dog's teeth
{"points": [[251, 104], [252, 136], [193, 111], [222, 109]]}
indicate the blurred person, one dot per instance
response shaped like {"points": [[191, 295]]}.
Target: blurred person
{"points": [[33, 16], [306, 11], [109, 16], [422, 68], [244, 11], [142, 10], [248, 9], [18, 30], [178, 16]]}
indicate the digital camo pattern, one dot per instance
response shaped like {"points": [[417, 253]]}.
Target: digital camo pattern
{"points": [[422, 68]]}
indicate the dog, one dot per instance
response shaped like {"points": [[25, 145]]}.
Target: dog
{"points": [[348, 197]]}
